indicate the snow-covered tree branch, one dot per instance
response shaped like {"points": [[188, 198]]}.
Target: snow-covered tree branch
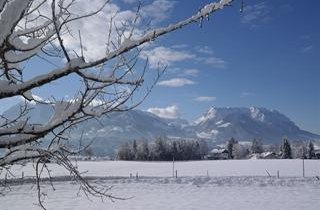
{"points": [[38, 29]]}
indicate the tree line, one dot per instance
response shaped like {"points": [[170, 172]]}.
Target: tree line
{"points": [[163, 150], [285, 150]]}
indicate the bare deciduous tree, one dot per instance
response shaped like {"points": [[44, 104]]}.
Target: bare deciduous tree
{"points": [[37, 29]]}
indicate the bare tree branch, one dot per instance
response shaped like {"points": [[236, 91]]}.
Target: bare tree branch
{"points": [[39, 29]]}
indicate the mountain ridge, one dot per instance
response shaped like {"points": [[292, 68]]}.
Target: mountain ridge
{"points": [[216, 126]]}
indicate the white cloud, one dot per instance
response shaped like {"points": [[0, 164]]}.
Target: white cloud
{"points": [[191, 72], [170, 112], [204, 50], [205, 98], [255, 14], [158, 10], [213, 61], [206, 55], [245, 94], [216, 62], [307, 49], [180, 46], [164, 56], [130, 1], [95, 29], [176, 82]]}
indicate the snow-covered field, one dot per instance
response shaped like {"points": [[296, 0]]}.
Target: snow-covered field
{"points": [[223, 185]]}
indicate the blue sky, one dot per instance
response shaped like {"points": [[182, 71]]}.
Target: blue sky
{"points": [[268, 56]]}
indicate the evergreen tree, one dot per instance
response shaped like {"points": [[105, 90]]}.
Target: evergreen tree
{"points": [[302, 152], [143, 151], [230, 146], [134, 149], [311, 152], [236, 151], [160, 149], [256, 146], [203, 148], [197, 153], [286, 150], [124, 152], [174, 150]]}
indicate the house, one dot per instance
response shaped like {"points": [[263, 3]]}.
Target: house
{"points": [[264, 155], [217, 154], [269, 155], [317, 152]]}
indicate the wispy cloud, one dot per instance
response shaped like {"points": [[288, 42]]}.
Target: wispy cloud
{"points": [[158, 10], [246, 94], [212, 61], [206, 55], [170, 112], [130, 1], [215, 62], [256, 14], [205, 98], [165, 56], [191, 72], [176, 82], [204, 50], [307, 49]]}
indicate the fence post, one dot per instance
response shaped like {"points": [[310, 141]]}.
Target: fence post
{"points": [[176, 173], [173, 167], [303, 172], [278, 174]]}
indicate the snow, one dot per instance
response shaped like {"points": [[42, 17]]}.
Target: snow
{"points": [[224, 125], [256, 114], [217, 150], [4, 84], [175, 194], [75, 62], [221, 168], [204, 118], [28, 95], [241, 184], [7, 20]]}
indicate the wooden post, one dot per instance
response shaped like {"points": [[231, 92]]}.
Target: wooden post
{"points": [[130, 175], [278, 174], [303, 172], [176, 173], [137, 175], [268, 173], [173, 167], [207, 173]]}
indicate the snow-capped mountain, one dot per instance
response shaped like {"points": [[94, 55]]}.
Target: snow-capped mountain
{"points": [[217, 126]]}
